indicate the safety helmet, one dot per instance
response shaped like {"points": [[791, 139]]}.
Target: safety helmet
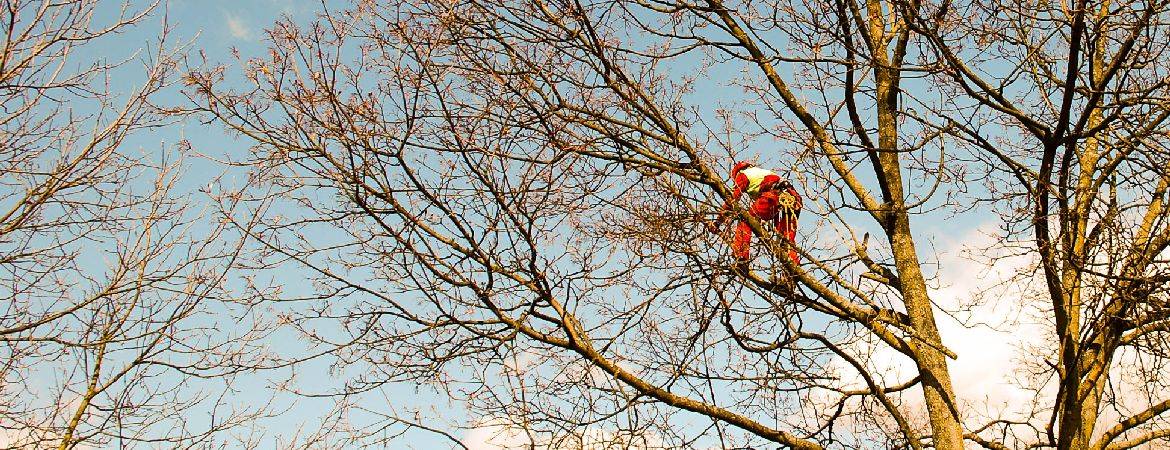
{"points": [[740, 166]]}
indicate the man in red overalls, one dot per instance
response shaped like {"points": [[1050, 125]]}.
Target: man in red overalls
{"points": [[774, 201]]}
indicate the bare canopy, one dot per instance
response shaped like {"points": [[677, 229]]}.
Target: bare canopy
{"points": [[109, 285], [505, 202]]}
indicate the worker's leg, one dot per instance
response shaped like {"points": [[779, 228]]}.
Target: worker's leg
{"points": [[766, 209], [743, 241]]}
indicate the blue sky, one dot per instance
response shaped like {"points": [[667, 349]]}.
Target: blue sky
{"points": [[218, 30]]}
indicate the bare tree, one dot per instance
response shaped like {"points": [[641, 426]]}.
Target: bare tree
{"points": [[1068, 111], [505, 201], [109, 277]]}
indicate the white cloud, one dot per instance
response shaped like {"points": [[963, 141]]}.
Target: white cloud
{"points": [[498, 434], [986, 320], [995, 327], [992, 312], [237, 26], [1004, 334]]}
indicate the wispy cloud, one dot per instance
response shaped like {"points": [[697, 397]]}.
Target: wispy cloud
{"points": [[501, 434], [238, 26]]}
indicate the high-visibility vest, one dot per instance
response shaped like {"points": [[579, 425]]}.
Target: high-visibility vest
{"points": [[755, 177]]}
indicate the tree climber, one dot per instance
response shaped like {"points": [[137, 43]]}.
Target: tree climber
{"points": [[774, 201]]}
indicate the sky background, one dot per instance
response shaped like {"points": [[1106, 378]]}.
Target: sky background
{"points": [[217, 29], [223, 32]]}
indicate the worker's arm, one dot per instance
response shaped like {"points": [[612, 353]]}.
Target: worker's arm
{"points": [[741, 185]]}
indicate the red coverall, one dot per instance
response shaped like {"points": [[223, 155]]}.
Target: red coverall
{"points": [[765, 207]]}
